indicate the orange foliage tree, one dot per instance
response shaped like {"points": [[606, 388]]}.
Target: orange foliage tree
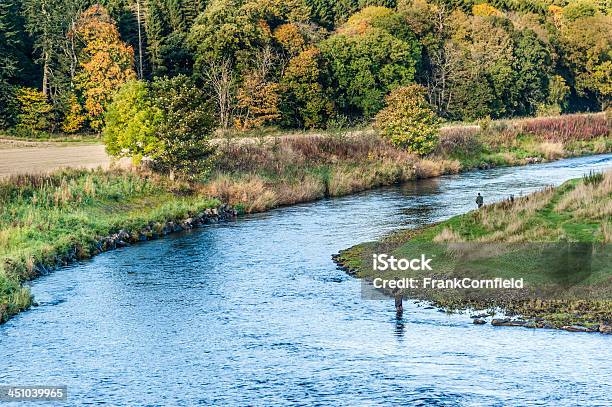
{"points": [[106, 62]]}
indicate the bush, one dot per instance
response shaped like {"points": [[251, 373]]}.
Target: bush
{"points": [[169, 122], [408, 121], [34, 110]]}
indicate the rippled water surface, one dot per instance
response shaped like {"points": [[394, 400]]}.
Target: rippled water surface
{"points": [[254, 312]]}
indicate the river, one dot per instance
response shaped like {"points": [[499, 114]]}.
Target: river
{"points": [[254, 312]]}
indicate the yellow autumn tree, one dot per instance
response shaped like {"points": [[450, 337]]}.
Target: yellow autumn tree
{"points": [[486, 10], [35, 111], [106, 62], [259, 100], [75, 117], [289, 36]]}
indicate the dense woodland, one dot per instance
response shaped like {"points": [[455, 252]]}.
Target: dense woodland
{"points": [[298, 63]]}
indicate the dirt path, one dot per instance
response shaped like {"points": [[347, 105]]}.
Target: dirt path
{"points": [[17, 157]]}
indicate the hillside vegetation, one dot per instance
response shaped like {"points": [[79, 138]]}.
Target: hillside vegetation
{"points": [[300, 63]]}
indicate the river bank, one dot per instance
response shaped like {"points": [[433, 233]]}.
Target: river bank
{"points": [[557, 241], [52, 220], [63, 215]]}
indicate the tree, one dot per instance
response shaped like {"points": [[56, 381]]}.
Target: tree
{"points": [[131, 121], [184, 129], [75, 117], [305, 102], [106, 62], [486, 10], [227, 30], [408, 120], [50, 22], [579, 9], [221, 78], [587, 51], [259, 97], [533, 69], [484, 81], [366, 62], [34, 110], [169, 122], [8, 65]]}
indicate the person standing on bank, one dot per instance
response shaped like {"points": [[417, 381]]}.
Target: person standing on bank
{"points": [[479, 200]]}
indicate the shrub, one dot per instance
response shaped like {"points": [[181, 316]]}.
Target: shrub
{"points": [[408, 121], [34, 110]]}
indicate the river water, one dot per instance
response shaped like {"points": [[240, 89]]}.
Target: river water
{"points": [[254, 312]]}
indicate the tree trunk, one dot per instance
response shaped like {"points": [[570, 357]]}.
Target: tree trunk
{"points": [[140, 74]]}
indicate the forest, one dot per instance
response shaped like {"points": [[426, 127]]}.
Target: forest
{"points": [[295, 63]]}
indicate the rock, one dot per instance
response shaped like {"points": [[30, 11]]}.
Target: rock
{"points": [[575, 328], [479, 316], [479, 321], [531, 324], [499, 322], [605, 329], [121, 243], [507, 322]]}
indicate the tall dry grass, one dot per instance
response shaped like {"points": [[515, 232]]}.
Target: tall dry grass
{"points": [[589, 199]]}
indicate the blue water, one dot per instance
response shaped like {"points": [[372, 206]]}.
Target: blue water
{"points": [[254, 312]]}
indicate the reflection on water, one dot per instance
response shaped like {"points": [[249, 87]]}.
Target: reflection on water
{"points": [[255, 313]]}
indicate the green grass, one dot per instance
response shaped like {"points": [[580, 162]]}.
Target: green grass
{"points": [[44, 217], [545, 238]]}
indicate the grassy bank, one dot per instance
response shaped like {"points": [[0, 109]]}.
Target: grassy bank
{"points": [[272, 171], [557, 240], [44, 217]]}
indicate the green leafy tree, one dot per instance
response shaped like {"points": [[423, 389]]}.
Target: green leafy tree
{"points": [[533, 69], [366, 62], [227, 30], [587, 51], [169, 122], [483, 81], [131, 123], [8, 65], [408, 120], [579, 9], [184, 129], [305, 101]]}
